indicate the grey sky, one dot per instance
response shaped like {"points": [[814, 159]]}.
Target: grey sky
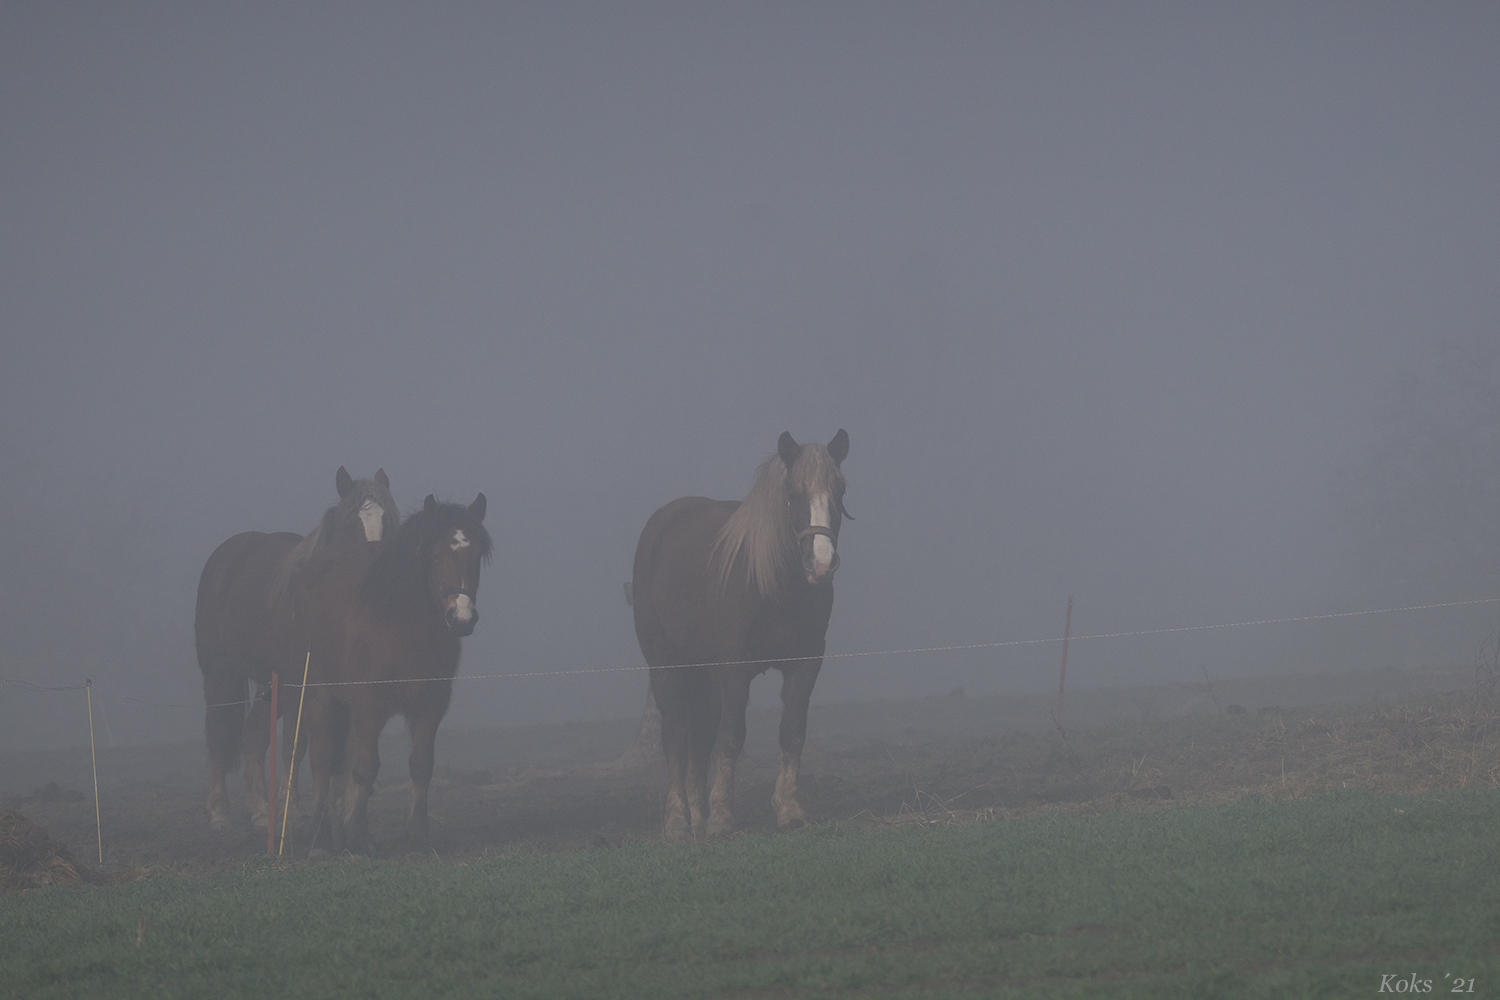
{"points": [[1107, 296]]}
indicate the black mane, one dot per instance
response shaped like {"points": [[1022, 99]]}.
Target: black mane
{"points": [[399, 573]]}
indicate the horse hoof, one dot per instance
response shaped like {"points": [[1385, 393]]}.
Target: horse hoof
{"points": [[675, 833], [361, 848], [717, 828], [792, 818]]}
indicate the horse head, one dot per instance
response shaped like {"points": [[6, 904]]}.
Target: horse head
{"points": [[815, 501], [365, 505], [454, 553]]}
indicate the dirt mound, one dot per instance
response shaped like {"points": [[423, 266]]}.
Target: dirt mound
{"points": [[29, 858]]}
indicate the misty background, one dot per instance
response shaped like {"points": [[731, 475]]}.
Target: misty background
{"points": [[1189, 311]]}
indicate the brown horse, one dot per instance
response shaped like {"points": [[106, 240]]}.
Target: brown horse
{"points": [[243, 624], [384, 625], [717, 583]]}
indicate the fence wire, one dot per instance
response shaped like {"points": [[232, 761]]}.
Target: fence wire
{"points": [[773, 661]]}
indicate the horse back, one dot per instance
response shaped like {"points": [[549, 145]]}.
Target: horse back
{"points": [[685, 614], [678, 605], [234, 620]]}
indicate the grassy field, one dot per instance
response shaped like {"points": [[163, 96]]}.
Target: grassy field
{"points": [[1317, 896]]}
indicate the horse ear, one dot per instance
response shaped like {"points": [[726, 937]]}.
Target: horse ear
{"points": [[430, 504], [477, 507], [342, 480], [839, 447], [788, 449], [381, 478]]}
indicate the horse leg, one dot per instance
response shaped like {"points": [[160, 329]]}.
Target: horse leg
{"points": [[734, 697], [256, 740], [364, 765], [223, 725], [318, 760], [423, 727], [672, 701], [704, 720], [325, 753], [796, 689], [289, 754]]}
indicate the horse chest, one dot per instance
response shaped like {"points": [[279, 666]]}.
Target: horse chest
{"points": [[428, 651], [789, 629]]}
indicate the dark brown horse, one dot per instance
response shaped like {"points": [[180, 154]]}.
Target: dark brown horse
{"points": [[718, 582], [243, 626], [384, 625]]}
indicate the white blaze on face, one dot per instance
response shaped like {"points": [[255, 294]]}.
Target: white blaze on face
{"points": [[463, 608], [822, 544], [460, 540], [373, 517]]}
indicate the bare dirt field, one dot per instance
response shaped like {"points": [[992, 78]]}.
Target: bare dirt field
{"points": [[944, 759]]}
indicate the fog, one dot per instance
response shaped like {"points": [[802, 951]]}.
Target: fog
{"points": [[1187, 311]]}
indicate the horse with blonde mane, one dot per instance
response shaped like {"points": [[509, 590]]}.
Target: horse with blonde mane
{"points": [[721, 587], [243, 626]]}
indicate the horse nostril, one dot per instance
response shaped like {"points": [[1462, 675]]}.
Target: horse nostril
{"points": [[810, 566]]}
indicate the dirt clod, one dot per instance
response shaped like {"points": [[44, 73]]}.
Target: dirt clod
{"points": [[29, 858]]}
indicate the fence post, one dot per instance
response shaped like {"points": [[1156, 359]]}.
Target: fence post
{"points": [[1062, 675], [271, 781], [88, 687]]}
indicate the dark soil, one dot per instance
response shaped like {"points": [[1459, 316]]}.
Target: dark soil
{"points": [[566, 786]]}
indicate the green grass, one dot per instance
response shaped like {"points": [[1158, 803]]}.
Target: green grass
{"points": [[1314, 897]]}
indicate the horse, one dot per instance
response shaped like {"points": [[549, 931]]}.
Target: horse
{"points": [[719, 585], [391, 616], [243, 621]]}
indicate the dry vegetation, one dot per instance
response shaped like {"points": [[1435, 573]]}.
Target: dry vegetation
{"points": [[29, 858]]}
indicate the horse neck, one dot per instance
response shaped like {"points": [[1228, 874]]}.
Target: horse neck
{"points": [[397, 583]]}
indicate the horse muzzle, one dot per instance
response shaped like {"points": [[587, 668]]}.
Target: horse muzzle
{"points": [[460, 613], [820, 560]]}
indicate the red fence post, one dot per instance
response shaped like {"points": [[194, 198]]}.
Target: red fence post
{"points": [[271, 782]]}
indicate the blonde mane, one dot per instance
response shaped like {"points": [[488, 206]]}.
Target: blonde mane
{"points": [[759, 540]]}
